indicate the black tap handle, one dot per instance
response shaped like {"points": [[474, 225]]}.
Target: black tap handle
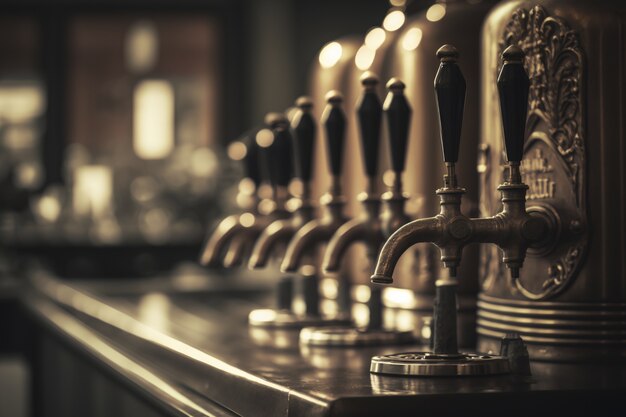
{"points": [[450, 92], [513, 85], [277, 147], [398, 112], [303, 133], [245, 150], [370, 113], [334, 121]]}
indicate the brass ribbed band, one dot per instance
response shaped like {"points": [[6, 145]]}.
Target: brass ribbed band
{"points": [[553, 323]]}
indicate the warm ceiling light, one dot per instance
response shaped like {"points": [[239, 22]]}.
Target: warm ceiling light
{"points": [[394, 20], [153, 119], [237, 151], [330, 54], [412, 39], [265, 138], [375, 38], [142, 47], [364, 58], [436, 12], [246, 219]]}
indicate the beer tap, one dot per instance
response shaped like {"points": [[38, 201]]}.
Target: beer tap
{"points": [[319, 231], [233, 234], [248, 200], [372, 226], [280, 231], [513, 229]]}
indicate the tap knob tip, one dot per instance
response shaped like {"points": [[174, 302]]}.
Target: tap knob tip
{"points": [[395, 85], [369, 80], [513, 54], [304, 103], [448, 53], [276, 120], [264, 138], [334, 97]]}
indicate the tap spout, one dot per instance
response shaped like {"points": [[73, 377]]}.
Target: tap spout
{"points": [[356, 230], [305, 240], [430, 229], [225, 231], [278, 231], [236, 252]]}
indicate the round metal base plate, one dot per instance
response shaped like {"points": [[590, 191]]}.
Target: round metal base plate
{"points": [[352, 336], [287, 319], [430, 364]]}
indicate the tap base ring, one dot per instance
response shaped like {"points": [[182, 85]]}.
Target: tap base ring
{"points": [[428, 364], [286, 319], [345, 336]]}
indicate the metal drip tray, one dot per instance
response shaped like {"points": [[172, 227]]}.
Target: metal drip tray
{"points": [[352, 336], [431, 364], [267, 317]]}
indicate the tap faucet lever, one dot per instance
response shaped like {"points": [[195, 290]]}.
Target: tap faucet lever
{"points": [[450, 94], [245, 150], [398, 115], [303, 130], [513, 85], [334, 121], [366, 227], [277, 150], [397, 112], [369, 112]]}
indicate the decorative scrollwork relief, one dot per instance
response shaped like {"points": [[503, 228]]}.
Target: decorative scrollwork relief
{"points": [[554, 62]]}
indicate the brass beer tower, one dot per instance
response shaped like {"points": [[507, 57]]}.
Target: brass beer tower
{"points": [[513, 229]]}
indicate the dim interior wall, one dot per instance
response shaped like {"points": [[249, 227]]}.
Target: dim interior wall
{"points": [[284, 39]]}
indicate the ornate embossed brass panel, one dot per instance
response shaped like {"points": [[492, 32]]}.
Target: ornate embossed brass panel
{"points": [[570, 298]]}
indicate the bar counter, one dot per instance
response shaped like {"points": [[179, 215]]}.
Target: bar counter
{"points": [[193, 354]]}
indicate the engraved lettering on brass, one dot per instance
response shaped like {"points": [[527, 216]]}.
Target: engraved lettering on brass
{"points": [[554, 162], [536, 173]]}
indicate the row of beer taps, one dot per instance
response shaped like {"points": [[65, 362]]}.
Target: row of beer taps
{"points": [[269, 229]]}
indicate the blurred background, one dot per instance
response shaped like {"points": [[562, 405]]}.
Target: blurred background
{"points": [[115, 120], [115, 115]]}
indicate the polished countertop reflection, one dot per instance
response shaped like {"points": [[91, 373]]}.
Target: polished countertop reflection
{"points": [[199, 342]]}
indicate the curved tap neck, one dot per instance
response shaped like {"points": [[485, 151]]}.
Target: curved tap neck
{"points": [[422, 230]]}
